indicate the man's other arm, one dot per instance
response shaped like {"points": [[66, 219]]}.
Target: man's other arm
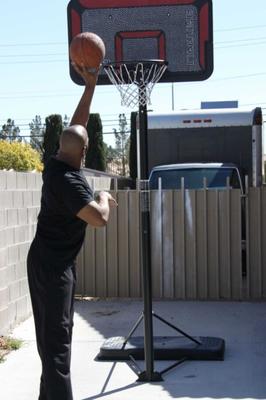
{"points": [[96, 213]]}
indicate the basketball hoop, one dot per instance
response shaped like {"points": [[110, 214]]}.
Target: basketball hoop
{"points": [[135, 79]]}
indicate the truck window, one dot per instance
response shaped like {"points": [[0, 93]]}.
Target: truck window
{"points": [[194, 178]]}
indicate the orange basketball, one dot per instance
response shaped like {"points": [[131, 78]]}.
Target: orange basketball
{"points": [[87, 49]]}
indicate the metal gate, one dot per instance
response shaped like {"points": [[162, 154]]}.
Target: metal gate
{"points": [[196, 246]]}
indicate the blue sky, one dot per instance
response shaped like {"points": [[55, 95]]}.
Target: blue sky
{"points": [[35, 77]]}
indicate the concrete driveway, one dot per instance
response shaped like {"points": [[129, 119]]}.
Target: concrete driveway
{"points": [[242, 374]]}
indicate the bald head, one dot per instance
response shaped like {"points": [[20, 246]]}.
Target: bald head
{"points": [[73, 140], [73, 146]]}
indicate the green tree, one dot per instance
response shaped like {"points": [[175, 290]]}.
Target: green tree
{"points": [[37, 130], [10, 131], [121, 140], [112, 159], [96, 155], [53, 130], [111, 153], [133, 146]]}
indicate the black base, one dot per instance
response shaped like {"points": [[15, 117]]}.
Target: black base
{"points": [[155, 377], [165, 348]]}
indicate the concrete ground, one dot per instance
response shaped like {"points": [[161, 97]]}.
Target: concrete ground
{"points": [[242, 375]]}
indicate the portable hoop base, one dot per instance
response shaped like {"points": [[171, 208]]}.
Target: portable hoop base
{"points": [[165, 348]]}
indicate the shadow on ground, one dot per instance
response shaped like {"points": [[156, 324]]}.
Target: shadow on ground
{"points": [[243, 325]]}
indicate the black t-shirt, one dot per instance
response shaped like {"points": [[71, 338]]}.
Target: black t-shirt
{"points": [[60, 233]]}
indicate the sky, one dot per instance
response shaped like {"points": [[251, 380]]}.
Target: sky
{"points": [[35, 74]]}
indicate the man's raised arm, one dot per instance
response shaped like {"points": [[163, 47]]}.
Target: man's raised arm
{"points": [[82, 112]]}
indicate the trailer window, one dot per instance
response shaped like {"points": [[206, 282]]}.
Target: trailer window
{"points": [[194, 178]]}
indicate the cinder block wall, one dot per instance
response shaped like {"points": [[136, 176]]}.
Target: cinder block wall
{"points": [[20, 195], [19, 206]]}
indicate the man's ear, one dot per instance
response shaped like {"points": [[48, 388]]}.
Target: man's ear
{"points": [[84, 152]]}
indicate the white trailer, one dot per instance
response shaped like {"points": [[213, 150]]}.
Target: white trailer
{"points": [[226, 136]]}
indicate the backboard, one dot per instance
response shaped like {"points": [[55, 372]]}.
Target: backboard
{"points": [[178, 31]]}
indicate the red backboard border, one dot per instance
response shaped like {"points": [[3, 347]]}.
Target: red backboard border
{"points": [[131, 3], [159, 35]]}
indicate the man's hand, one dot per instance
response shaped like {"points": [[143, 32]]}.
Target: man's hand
{"points": [[89, 75], [112, 202]]}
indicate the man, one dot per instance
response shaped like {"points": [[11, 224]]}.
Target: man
{"points": [[67, 206]]}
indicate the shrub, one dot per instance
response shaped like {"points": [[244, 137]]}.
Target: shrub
{"points": [[8, 344], [95, 157], [54, 127], [19, 156]]}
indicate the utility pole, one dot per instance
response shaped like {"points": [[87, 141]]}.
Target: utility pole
{"points": [[173, 97]]}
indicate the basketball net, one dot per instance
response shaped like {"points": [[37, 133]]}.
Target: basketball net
{"points": [[135, 80]]}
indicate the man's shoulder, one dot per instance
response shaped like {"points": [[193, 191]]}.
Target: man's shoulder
{"points": [[74, 175], [58, 170]]}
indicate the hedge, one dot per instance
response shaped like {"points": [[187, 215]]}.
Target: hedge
{"points": [[19, 156]]}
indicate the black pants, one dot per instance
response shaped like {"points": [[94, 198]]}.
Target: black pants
{"points": [[52, 293]]}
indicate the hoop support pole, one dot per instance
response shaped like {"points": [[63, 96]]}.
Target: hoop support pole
{"points": [[143, 138], [148, 375]]}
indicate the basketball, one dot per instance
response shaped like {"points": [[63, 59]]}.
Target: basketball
{"points": [[87, 49]]}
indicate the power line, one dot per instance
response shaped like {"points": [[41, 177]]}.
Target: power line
{"points": [[241, 40], [33, 44], [253, 104], [166, 86], [240, 45], [219, 79], [66, 59], [240, 76], [102, 117], [33, 62], [43, 125], [65, 43], [240, 28], [66, 54], [22, 127], [33, 55], [116, 121]]}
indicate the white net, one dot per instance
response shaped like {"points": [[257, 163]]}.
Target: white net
{"points": [[135, 81]]}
